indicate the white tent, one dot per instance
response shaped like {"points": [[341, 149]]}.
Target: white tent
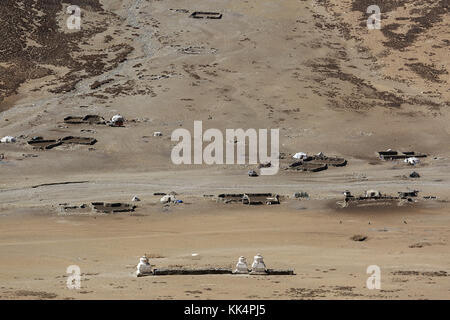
{"points": [[117, 120], [8, 139], [412, 161], [167, 198], [300, 155]]}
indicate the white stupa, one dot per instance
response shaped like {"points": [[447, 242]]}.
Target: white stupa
{"points": [[143, 268], [258, 266], [241, 266]]}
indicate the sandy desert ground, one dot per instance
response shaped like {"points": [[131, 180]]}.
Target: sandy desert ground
{"points": [[309, 68]]}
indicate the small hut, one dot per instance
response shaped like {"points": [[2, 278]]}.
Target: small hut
{"points": [[260, 198], [373, 194]]}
